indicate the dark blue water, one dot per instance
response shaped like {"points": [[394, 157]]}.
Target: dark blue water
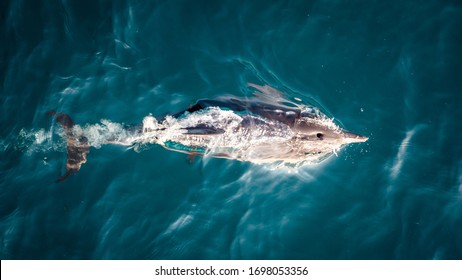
{"points": [[390, 70]]}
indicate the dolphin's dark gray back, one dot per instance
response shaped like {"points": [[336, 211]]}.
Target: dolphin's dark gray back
{"points": [[277, 112]]}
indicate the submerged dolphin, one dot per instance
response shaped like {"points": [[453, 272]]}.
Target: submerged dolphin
{"points": [[263, 129]]}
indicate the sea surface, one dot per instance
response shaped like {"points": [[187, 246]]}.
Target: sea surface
{"points": [[390, 70]]}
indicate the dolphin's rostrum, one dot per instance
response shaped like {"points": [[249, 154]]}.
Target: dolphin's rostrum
{"points": [[266, 128]]}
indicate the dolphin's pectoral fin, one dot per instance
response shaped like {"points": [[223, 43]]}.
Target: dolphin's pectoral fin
{"points": [[192, 156], [203, 130], [76, 145]]}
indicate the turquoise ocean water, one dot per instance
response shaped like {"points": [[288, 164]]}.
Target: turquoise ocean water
{"points": [[390, 70]]}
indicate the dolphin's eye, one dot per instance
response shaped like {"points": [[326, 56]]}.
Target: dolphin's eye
{"points": [[320, 136]]}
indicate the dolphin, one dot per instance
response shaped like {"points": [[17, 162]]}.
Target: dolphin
{"points": [[265, 128]]}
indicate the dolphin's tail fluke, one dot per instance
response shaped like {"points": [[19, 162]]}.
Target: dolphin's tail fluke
{"points": [[76, 145]]}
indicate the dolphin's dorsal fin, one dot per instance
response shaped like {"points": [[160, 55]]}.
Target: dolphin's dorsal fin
{"points": [[273, 96], [268, 91]]}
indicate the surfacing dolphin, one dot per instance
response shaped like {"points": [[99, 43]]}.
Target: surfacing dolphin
{"points": [[266, 128]]}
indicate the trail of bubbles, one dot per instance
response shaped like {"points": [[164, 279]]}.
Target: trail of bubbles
{"points": [[43, 140], [106, 132], [38, 140]]}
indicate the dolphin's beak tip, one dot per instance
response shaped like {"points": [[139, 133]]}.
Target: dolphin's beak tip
{"points": [[354, 138]]}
